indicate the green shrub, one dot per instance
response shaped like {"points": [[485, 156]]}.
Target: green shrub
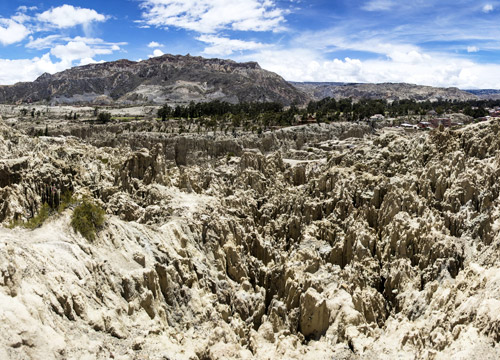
{"points": [[87, 219], [104, 117], [67, 200], [35, 222]]}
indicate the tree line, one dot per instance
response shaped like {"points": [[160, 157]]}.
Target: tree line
{"points": [[325, 110]]}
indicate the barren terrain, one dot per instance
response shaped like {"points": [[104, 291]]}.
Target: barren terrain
{"points": [[326, 241]]}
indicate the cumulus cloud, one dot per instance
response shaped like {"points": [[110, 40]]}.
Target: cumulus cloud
{"points": [[434, 69], [209, 16], [12, 71], [223, 46], [61, 45], [67, 16], [156, 53], [154, 44], [88, 61], [67, 52], [79, 48], [12, 31], [488, 8]]}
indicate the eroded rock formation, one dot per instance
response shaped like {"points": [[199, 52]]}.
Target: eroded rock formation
{"points": [[298, 245]]}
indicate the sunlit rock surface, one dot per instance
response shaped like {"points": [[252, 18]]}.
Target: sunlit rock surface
{"points": [[313, 242]]}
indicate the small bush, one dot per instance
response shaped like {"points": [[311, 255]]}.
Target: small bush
{"points": [[104, 117], [40, 218], [67, 200], [87, 219]]}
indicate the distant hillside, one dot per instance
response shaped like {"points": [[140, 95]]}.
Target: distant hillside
{"points": [[388, 91], [167, 78], [486, 94]]}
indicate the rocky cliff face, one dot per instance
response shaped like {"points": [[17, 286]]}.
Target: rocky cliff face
{"points": [[313, 242], [386, 91], [158, 80]]}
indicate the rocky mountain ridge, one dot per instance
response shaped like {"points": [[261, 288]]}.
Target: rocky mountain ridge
{"points": [[167, 78], [386, 91], [486, 94]]}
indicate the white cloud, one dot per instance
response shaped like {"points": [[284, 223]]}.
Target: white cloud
{"points": [[411, 57], [21, 18], [72, 51], [12, 32], [224, 46], [209, 16], [43, 43], [80, 49], [156, 53], [417, 67], [74, 48], [154, 44], [472, 49], [488, 8], [12, 71], [67, 16], [24, 8], [379, 5], [88, 61]]}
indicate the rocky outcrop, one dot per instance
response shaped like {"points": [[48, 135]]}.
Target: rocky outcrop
{"points": [[322, 241]]}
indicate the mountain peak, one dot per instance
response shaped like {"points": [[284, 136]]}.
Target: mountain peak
{"points": [[166, 78]]}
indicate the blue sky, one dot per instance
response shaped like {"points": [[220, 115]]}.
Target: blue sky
{"points": [[428, 42]]}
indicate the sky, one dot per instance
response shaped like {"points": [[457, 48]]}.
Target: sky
{"points": [[427, 42]]}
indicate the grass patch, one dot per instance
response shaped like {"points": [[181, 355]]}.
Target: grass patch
{"points": [[87, 219], [35, 222], [128, 118]]}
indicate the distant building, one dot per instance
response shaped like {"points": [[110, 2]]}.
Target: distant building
{"points": [[495, 112], [424, 125], [407, 126], [435, 122]]}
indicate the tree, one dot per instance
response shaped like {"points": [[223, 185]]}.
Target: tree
{"points": [[164, 112], [104, 117], [177, 111]]}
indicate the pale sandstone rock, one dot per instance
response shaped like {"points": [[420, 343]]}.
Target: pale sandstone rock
{"points": [[314, 314], [373, 248]]}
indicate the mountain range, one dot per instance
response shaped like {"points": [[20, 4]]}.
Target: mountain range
{"points": [[181, 79], [387, 91]]}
